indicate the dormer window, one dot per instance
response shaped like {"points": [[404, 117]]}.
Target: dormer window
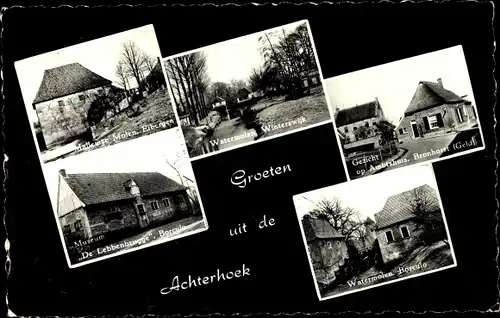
{"points": [[132, 187]]}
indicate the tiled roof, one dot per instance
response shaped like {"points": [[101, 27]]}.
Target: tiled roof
{"points": [[369, 221], [67, 79], [399, 208], [429, 94], [93, 188], [318, 228], [354, 114]]}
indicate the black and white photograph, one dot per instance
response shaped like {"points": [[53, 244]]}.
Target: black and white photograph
{"points": [[124, 197], [247, 89], [416, 110], [95, 94], [397, 230]]}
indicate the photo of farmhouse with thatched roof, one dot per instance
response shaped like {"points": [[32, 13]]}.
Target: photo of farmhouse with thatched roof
{"points": [[96, 94], [405, 112], [398, 233]]}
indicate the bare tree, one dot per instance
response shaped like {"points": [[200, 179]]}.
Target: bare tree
{"points": [[149, 63], [189, 83], [133, 59], [122, 74], [186, 182], [424, 204], [344, 219]]}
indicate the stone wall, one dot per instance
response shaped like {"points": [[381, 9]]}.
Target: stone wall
{"points": [[68, 223], [61, 123], [163, 212], [98, 225], [401, 246], [96, 214], [327, 257]]}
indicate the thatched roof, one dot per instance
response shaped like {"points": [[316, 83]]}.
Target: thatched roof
{"points": [[398, 208], [67, 79], [429, 94], [318, 228]]}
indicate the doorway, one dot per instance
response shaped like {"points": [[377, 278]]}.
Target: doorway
{"points": [[414, 127]]}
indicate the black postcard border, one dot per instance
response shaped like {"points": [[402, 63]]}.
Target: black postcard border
{"points": [[495, 151]]}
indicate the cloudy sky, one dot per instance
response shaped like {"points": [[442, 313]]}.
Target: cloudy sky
{"points": [[395, 83], [235, 59], [145, 154], [100, 56], [368, 195]]}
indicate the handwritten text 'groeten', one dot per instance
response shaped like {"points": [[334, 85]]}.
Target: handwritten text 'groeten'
{"points": [[241, 179]]}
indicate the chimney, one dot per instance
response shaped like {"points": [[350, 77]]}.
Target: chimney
{"points": [[440, 82], [62, 172]]}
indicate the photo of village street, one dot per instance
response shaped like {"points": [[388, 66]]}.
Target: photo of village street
{"points": [[235, 92], [124, 197], [95, 94], [396, 233], [406, 112]]}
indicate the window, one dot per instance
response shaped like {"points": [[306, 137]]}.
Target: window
{"points": [[154, 205], [346, 129], [355, 128], [113, 216], [400, 131], [60, 102], [81, 97], [374, 123], [78, 225], [367, 124], [329, 245], [405, 130], [114, 208], [389, 236], [433, 122], [338, 244], [459, 115], [405, 232], [178, 199], [140, 208], [166, 202], [100, 91]]}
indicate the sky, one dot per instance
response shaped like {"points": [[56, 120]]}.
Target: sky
{"points": [[100, 56], [235, 59], [368, 195], [395, 83], [145, 154]]}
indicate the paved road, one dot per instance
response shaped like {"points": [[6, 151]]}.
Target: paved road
{"points": [[231, 128], [424, 145]]}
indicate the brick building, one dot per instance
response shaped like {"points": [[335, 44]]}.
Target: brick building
{"points": [[358, 126], [327, 249], [93, 204], [63, 100], [435, 110], [398, 231]]}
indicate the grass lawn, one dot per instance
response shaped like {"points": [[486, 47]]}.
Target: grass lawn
{"points": [[156, 114], [313, 108]]}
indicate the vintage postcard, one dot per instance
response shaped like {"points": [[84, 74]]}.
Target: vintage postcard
{"points": [[124, 197], [397, 231], [247, 89], [416, 110], [96, 94]]}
